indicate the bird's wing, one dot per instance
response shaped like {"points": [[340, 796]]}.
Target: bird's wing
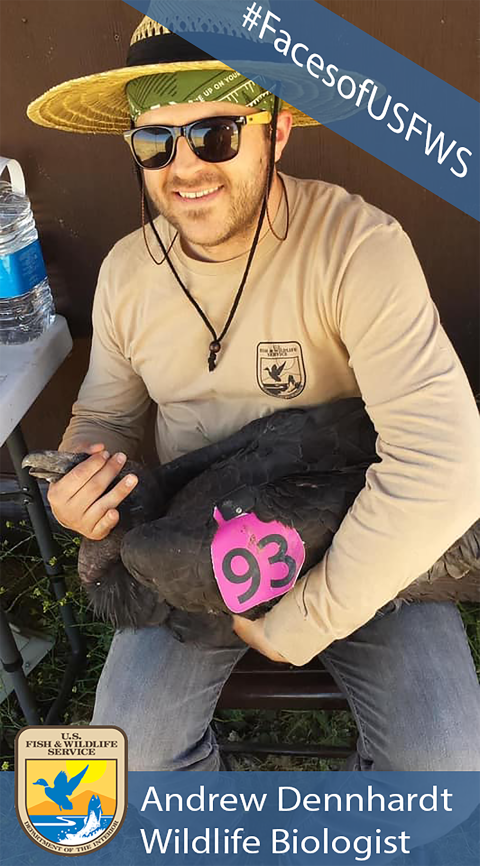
{"points": [[60, 780], [75, 780], [279, 368]]}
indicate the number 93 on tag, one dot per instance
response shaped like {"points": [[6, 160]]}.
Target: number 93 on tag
{"points": [[253, 561]]}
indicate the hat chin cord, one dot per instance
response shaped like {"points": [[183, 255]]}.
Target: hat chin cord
{"points": [[216, 344]]}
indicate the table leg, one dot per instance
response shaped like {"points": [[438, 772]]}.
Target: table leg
{"points": [[48, 551], [13, 664]]}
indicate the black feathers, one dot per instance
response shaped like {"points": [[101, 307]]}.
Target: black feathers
{"points": [[302, 467]]}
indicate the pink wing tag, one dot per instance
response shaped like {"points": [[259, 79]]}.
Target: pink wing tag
{"points": [[254, 561]]}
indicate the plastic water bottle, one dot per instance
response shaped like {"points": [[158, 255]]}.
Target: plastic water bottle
{"points": [[26, 304]]}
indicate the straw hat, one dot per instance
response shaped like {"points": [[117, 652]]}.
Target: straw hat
{"points": [[98, 104]]}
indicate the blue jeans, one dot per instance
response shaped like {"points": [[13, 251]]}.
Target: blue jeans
{"points": [[407, 674]]}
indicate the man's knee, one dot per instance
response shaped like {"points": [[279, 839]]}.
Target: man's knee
{"points": [[452, 753], [159, 743], [168, 755]]}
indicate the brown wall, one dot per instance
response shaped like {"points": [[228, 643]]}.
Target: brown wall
{"points": [[84, 192]]}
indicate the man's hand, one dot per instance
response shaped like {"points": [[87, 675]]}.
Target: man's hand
{"points": [[78, 501], [253, 633]]}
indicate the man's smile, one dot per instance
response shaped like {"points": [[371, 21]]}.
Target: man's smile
{"points": [[196, 196]]}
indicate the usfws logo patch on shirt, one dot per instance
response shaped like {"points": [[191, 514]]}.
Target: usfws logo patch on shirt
{"points": [[280, 369], [71, 786]]}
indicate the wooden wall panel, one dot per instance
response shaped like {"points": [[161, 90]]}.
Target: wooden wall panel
{"points": [[84, 191]]}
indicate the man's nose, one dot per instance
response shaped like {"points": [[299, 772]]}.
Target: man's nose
{"points": [[184, 157]]}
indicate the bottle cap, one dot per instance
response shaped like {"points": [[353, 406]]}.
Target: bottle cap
{"points": [[16, 173]]}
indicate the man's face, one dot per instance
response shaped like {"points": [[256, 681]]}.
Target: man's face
{"points": [[236, 188]]}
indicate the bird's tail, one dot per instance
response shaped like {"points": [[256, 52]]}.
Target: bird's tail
{"points": [[455, 576]]}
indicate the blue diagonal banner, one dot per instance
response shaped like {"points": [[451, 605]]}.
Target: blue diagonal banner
{"points": [[345, 79]]}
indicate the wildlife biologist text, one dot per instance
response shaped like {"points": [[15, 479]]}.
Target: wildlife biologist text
{"points": [[216, 840]]}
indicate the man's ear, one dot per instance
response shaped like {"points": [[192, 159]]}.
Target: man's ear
{"points": [[284, 128]]}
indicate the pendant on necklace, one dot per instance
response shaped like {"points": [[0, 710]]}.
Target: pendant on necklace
{"points": [[212, 358]]}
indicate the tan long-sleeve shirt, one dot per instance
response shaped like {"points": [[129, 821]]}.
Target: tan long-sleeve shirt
{"points": [[339, 309]]}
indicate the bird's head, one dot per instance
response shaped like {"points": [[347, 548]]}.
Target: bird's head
{"points": [[147, 501], [41, 782], [51, 465], [114, 594]]}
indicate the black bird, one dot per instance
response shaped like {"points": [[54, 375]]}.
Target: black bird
{"points": [[303, 467], [276, 371]]}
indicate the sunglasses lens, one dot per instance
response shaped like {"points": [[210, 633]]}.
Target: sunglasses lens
{"points": [[216, 139], [153, 146]]}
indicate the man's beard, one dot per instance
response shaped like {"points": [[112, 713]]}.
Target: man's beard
{"points": [[243, 212]]}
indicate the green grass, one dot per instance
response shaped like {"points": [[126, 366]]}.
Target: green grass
{"points": [[26, 597], [28, 602]]}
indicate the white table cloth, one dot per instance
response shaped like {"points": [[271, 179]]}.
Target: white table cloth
{"points": [[25, 370]]}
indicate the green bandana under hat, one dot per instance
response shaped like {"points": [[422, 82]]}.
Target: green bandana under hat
{"points": [[214, 85]]}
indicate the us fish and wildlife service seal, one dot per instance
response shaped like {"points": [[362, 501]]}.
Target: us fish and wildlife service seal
{"points": [[71, 786], [280, 369]]}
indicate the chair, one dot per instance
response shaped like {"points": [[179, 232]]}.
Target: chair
{"points": [[258, 683]]}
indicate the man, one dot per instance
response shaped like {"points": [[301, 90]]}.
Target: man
{"points": [[250, 289]]}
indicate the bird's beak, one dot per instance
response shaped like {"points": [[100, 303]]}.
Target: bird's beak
{"points": [[51, 465]]}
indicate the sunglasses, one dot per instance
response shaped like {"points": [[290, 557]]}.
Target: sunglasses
{"points": [[212, 139]]}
